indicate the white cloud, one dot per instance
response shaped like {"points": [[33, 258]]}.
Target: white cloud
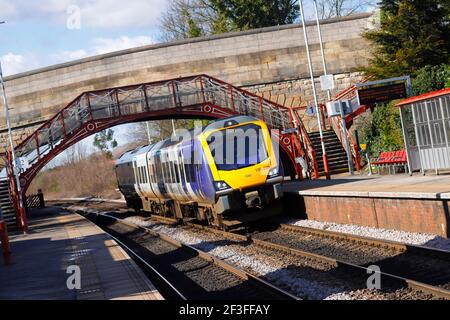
{"points": [[69, 55], [104, 45], [17, 63], [98, 13]]}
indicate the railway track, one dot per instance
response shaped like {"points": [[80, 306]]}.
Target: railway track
{"points": [[391, 269], [182, 271], [406, 271], [418, 263]]}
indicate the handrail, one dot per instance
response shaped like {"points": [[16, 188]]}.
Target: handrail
{"points": [[307, 144], [336, 124], [12, 191]]}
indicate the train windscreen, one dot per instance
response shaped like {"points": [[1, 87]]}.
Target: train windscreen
{"points": [[238, 147]]}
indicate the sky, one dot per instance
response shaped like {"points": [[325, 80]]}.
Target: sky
{"points": [[40, 33], [46, 32]]}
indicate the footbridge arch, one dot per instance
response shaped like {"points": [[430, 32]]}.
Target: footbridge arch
{"points": [[199, 96]]}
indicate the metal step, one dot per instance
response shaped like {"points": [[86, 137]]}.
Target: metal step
{"points": [[9, 213]]}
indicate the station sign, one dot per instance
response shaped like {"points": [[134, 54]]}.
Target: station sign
{"points": [[382, 91], [327, 82], [310, 110]]}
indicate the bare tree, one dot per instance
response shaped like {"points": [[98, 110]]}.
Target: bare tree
{"points": [[339, 8], [187, 19], [75, 153]]}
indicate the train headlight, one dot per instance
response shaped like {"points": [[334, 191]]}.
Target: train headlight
{"points": [[273, 172], [221, 185]]}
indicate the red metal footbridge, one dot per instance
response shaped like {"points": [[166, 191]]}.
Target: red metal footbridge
{"points": [[199, 96]]}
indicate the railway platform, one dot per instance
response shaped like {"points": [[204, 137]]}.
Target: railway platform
{"points": [[410, 203], [45, 260]]}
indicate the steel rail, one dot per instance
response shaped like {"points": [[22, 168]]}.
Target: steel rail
{"points": [[416, 285], [435, 291], [379, 243], [245, 276], [147, 265]]}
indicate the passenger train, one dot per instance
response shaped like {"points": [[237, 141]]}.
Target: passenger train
{"points": [[218, 172]]}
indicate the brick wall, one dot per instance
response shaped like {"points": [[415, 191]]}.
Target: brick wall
{"points": [[414, 215]]}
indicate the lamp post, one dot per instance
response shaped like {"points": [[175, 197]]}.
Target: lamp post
{"points": [[319, 32], [305, 35]]}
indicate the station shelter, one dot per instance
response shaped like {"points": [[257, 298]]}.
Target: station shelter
{"points": [[426, 130]]}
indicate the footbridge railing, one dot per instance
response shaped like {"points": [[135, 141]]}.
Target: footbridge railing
{"points": [[196, 96]]}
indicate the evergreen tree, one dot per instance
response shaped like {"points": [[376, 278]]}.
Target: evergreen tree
{"points": [[251, 14], [431, 78], [413, 34], [104, 141]]}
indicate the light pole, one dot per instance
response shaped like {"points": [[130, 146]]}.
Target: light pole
{"points": [[343, 123], [149, 137], [305, 35], [321, 46], [11, 145]]}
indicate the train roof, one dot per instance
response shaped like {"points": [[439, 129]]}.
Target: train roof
{"points": [[225, 122], [128, 156]]}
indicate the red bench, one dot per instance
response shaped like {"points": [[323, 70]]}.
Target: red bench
{"points": [[392, 159]]}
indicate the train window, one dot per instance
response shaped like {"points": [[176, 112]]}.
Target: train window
{"points": [[186, 169], [145, 175], [166, 172], [181, 167], [190, 172], [177, 172], [172, 172], [159, 171], [137, 175], [172, 168], [248, 144], [151, 173]]}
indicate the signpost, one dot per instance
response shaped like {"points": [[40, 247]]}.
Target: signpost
{"points": [[369, 93]]}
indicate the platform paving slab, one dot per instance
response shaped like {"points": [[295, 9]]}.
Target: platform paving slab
{"points": [[392, 186], [58, 239]]}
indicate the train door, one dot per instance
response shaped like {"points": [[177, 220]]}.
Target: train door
{"points": [[160, 188], [167, 174], [144, 183], [176, 183], [137, 177], [153, 174], [181, 168]]}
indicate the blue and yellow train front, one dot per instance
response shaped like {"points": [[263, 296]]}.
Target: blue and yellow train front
{"points": [[244, 165]]}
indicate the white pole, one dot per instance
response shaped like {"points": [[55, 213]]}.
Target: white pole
{"points": [[173, 127], [321, 46], [11, 144], [149, 137], [305, 35]]}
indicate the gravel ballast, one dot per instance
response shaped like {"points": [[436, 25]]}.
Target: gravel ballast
{"points": [[305, 279], [423, 239]]}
